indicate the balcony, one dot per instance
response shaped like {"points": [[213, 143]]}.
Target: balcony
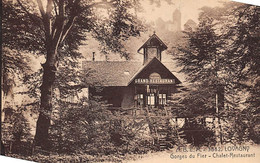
{"points": [[142, 112]]}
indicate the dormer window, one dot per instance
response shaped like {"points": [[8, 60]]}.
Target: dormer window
{"points": [[151, 53], [153, 47]]}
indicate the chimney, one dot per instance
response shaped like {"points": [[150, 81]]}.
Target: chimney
{"points": [[93, 57]]}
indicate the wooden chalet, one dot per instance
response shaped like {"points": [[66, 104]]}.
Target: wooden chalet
{"points": [[127, 84], [140, 89]]}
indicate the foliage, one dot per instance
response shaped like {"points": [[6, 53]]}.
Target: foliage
{"points": [[64, 158], [251, 113], [221, 55], [93, 129], [13, 62], [58, 30], [16, 131], [197, 133], [76, 158], [234, 126], [78, 127], [14, 69], [28, 37], [244, 38], [130, 134], [111, 30], [203, 61]]}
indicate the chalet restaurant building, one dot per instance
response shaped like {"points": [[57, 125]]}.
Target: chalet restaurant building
{"points": [[127, 84], [145, 90]]}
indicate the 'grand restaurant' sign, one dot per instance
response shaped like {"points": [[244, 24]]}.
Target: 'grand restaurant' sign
{"points": [[154, 81]]}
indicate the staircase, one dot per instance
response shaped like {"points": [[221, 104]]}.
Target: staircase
{"points": [[163, 132], [162, 129]]}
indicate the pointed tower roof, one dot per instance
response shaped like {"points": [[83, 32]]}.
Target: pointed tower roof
{"points": [[158, 41]]}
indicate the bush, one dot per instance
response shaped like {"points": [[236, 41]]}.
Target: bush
{"points": [[81, 128], [16, 134], [68, 158], [197, 133]]}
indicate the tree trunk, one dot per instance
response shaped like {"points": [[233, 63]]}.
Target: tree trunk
{"points": [[219, 128], [44, 119], [8, 81]]}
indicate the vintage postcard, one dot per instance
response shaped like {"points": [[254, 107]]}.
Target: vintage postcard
{"points": [[130, 81]]}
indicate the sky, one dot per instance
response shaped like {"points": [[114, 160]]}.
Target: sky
{"points": [[151, 12], [188, 8]]}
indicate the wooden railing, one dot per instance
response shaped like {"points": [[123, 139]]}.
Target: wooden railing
{"points": [[142, 111]]}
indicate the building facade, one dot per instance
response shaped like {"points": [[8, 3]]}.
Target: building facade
{"points": [[145, 91], [127, 84]]}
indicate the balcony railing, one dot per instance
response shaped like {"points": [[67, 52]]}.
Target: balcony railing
{"points": [[144, 111]]}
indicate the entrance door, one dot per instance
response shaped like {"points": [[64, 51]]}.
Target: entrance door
{"points": [[151, 99], [151, 96], [156, 97]]}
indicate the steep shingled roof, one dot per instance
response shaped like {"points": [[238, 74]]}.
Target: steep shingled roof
{"points": [[111, 73], [115, 73]]}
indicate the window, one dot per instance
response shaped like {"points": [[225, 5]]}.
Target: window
{"points": [[151, 52], [154, 76], [140, 99], [162, 99], [151, 99]]}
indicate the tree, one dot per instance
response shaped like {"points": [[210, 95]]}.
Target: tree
{"points": [[13, 62], [242, 31], [252, 111], [202, 59], [14, 125], [222, 52], [80, 126], [16, 132], [61, 26], [243, 34], [204, 63]]}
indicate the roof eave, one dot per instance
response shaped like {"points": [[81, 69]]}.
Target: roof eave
{"points": [[154, 35], [131, 80]]}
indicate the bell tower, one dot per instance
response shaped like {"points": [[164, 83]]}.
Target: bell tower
{"points": [[153, 47]]}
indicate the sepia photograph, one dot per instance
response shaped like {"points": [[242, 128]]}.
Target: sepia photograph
{"points": [[130, 81]]}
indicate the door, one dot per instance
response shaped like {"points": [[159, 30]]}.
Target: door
{"points": [[151, 96]]}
